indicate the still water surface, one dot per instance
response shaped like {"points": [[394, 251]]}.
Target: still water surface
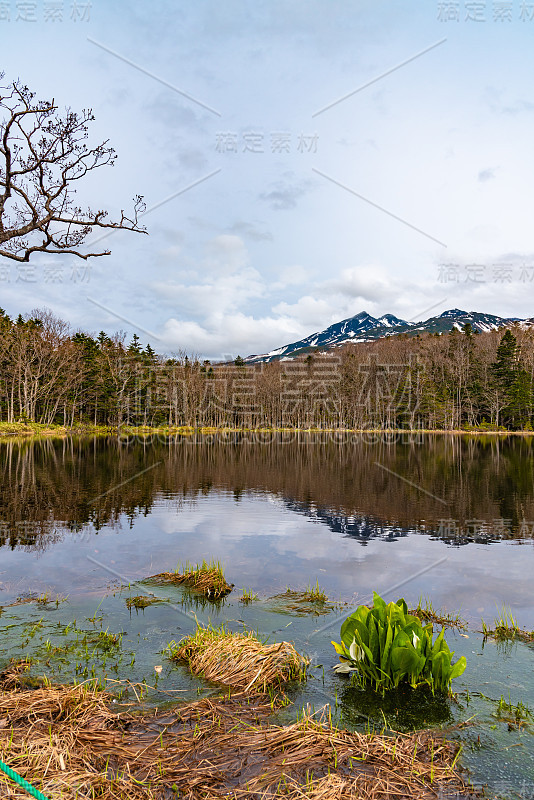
{"points": [[450, 519]]}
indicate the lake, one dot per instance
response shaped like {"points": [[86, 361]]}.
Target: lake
{"points": [[448, 519]]}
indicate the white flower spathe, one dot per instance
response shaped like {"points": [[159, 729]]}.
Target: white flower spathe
{"points": [[356, 653]]}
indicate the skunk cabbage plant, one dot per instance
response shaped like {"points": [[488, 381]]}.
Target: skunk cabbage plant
{"points": [[386, 646]]}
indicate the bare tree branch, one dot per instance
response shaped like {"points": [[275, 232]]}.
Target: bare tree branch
{"points": [[42, 154]]}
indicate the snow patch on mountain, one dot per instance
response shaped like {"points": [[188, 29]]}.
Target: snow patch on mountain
{"points": [[363, 327]]}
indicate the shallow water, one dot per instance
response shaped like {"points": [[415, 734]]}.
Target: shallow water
{"points": [[445, 518]]}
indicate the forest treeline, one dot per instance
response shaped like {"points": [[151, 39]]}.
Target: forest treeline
{"points": [[52, 374]]}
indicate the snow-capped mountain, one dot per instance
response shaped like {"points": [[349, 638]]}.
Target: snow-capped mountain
{"points": [[364, 328]]}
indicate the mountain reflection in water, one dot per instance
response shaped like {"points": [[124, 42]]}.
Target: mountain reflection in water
{"points": [[459, 489]]}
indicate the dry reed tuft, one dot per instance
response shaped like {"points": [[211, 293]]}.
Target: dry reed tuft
{"points": [[207, 578], [66, 741], [239, 659]]}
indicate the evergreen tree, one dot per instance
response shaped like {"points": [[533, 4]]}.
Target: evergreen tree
{"points": [[514, 382], [504, 368], [150, 355], [134, 346]]}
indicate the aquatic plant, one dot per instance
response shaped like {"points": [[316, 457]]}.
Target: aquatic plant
{"points": [[248, 596], [518, 715], [207, 578], [311, 600], [314, 594], [385, 646], [506, 629], [141, 601]]}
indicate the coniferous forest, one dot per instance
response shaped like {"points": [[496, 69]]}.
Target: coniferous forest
{"points": [[458, 380]]}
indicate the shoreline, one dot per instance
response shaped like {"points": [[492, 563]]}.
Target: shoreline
{"points": [[36, 430]]}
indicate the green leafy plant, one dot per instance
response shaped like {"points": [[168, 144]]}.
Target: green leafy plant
{"points": [[385, 646]]}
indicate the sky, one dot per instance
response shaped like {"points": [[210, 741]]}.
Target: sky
{"points": [[301, 161]]}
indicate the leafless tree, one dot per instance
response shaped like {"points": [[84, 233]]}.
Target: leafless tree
{"points": [[43, 154]]}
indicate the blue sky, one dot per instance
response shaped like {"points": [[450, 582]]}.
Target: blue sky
{"points": [[273, 209]]}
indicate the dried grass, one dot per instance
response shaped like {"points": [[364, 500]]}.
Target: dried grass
{"points": [[240, 660], [206, 578], [66, 741]]}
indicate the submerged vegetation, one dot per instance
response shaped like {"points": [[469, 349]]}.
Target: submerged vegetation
{"points": [[66, 650], [142, 601], [506, 629], [39, 599], [206, 578], [385, 646], [65, 739], [517, 715], [240, 660], [311, 600]]}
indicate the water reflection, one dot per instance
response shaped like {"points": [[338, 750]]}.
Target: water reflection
{"points": [[459, 489], [400, 709]]}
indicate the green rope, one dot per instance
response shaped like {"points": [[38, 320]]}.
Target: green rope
{"points": [[21, 782]]}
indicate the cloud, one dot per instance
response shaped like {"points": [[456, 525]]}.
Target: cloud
{"points": [[176, 113], [519, 107], [308, 311], [171, 253], [251, 231], [486, 175], [370, 282], [214, 296], [226, 333], [286, 194], [290, 276], [227, 252], [220, 283]]}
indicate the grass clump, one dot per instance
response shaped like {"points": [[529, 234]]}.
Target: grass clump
{"points": [[239, 659], [206, 578], [248, 596], [141, 601], [314, 594], [506, 629], [312, 600], [428, 613]]}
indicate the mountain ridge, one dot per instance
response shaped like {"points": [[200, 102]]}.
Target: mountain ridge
{"points": [[363, 327]]}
